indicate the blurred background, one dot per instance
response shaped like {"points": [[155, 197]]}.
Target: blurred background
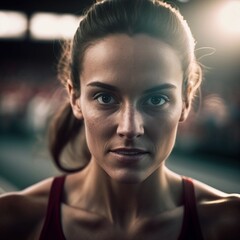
{"points": [[208, 144]]}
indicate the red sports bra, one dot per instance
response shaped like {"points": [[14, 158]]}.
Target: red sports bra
{"points": [[52, 228]]}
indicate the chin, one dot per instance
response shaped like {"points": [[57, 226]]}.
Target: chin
{"points": [[126, 177]]}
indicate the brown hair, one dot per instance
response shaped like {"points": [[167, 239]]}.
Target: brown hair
{"points": [[152, 17]]}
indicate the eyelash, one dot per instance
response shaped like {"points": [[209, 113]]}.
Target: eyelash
{"points": [[113, 101], [159, 97], [98, 96]]}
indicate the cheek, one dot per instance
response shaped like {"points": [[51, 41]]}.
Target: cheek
{"points": [[163, 131], [97, 130]]}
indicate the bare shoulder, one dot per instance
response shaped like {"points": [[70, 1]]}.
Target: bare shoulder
{"points": [[23, 212], [218, 212]]}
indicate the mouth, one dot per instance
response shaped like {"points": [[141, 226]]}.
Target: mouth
{"points": [[129, 151]]}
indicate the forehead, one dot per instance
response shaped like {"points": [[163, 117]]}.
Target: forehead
{"points": [[131, 59]]}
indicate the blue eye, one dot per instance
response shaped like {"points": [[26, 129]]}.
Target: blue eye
{"points": [[156, 100], [105, 98]]}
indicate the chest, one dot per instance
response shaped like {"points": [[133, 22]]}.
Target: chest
{"points": [[87, 226]]}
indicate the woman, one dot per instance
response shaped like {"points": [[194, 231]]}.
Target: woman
{"points": [[131, 75]]}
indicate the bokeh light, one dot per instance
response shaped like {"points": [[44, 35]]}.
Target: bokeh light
{"points": [[229, 17], [48, 26], [12, 24]]}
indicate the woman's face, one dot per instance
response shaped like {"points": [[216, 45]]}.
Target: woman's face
{"points": [[131, 103]]}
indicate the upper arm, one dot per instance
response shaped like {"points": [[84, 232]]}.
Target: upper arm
{"points": [[14, 217], [23, 212], [230, 224], [218, 212], [220, 218]]}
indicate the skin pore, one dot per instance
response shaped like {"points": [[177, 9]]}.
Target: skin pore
{"points": [[131, 103]]}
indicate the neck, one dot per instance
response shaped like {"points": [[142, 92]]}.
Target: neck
{"points": [[124, 203]]}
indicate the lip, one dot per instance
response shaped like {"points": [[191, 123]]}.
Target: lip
{"points": [[129, 151], [129, 155]]}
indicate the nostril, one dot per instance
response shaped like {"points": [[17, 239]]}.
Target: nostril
{"points": [[127, 135], [130, 133]]}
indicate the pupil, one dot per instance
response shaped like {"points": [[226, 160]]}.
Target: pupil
{"points": [[106, 99], [155, 100]]}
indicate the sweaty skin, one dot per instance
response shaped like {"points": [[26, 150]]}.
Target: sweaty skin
{"points": [[131, 103]]}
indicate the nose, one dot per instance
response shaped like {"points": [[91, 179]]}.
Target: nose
{"points": [[130, 124]]}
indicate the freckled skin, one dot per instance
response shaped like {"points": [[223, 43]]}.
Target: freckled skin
{"points": [[122, 61]]}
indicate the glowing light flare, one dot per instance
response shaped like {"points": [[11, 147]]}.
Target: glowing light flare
{"points": [[229, 17], [49, 26], [215, 109], [13, 24]]}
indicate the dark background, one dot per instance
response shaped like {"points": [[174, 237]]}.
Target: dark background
{"points": [[208, 145]]}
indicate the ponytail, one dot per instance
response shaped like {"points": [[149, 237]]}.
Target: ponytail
{"points": [[63, 131]]}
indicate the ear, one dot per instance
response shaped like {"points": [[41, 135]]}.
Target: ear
{"points": [[74, 100], [187, 100], [185, 111]]}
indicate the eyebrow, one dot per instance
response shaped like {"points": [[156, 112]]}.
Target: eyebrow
{"points": [[103, 85], [160, 87], [150, 90]]}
